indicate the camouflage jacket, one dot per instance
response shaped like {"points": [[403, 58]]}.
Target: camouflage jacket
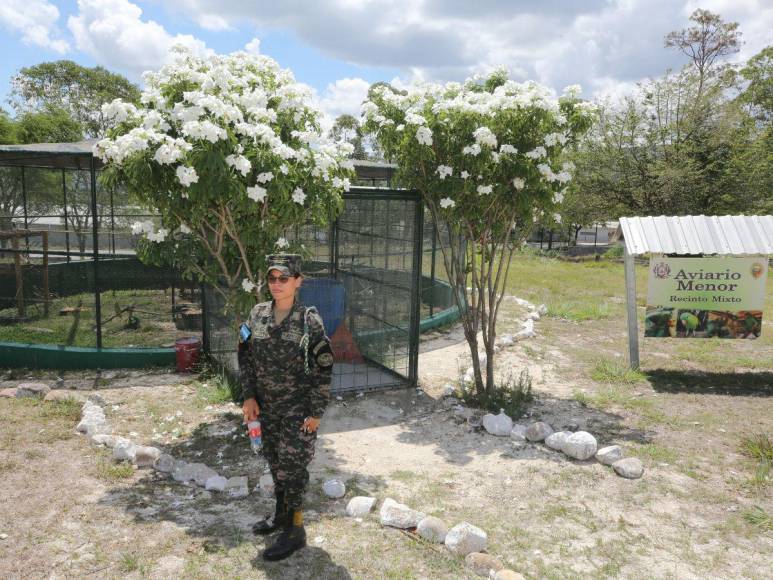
{"points": [[278, 367]]}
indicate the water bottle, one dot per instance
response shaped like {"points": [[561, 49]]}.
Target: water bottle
{"points": [[256, 435]]}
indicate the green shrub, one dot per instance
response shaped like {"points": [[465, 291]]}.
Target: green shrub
{"points": [[615, 252], [512, 395]]}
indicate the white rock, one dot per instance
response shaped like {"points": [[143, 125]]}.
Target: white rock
{"points": [[524, 334], [469, 375], [266, 487], [506, 340], [465, 539], [557, 440], [448, 390], [32, 390], [500, 425], [481, 564], [237, 486], [103, 439], [608, 455], [360, 506], [181, 471], [538, 431], [399, 515], [507, 575], [630, 468], [146, 456], [165, 463], [91, 425], [524, 303], [518, 432], [200, 473], [432, 529], [581, 445], [216, 483], [533, 315], [124, 450], [334, 488]]}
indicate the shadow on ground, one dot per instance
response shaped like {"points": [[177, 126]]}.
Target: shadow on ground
{"points": [[748, 384], [216, 523]]}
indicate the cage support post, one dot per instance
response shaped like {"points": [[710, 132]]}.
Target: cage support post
{"points": [[46, 294], [630, 292], [66, 217], [95, 248], [413, 340], [19, 276]]}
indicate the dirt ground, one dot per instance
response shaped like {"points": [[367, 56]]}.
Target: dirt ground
{"points": [[67, 512]]}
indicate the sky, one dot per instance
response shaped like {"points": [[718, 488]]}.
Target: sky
{"points": [[340, 47]]}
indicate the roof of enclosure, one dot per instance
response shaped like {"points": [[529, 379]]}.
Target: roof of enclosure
{"points": [[78, 156], [690, 235], [58, 155]]}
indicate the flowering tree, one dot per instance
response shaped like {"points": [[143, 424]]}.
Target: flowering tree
{"points": [[486, 157], [229, 152]]}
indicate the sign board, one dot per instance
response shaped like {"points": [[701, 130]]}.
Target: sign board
{"points": [[705, 297]]}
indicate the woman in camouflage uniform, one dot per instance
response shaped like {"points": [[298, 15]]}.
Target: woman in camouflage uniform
{"points": [[285, 364]]}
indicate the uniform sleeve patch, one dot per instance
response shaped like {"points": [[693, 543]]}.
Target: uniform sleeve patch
{"points": [[325, 359], [323, 354]]}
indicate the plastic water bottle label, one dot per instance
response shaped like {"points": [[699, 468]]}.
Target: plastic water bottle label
{"points": [[256, 435]]}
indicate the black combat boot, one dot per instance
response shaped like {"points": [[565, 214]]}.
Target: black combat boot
{"points": [[292, 538], [269, 524]]}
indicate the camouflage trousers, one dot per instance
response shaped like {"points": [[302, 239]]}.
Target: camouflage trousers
{"points": [[288, 451]]}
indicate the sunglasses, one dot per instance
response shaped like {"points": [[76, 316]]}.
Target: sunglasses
{"points": [[280, 279]]}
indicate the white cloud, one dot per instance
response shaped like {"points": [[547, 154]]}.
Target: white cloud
{"points": [[253, 46], [344, 96], [114, 34], [36, 21], [595, 43]]}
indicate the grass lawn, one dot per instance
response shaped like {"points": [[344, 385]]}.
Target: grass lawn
{"points": [[153, 309]]}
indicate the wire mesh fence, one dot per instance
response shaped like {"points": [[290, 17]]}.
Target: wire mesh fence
{"points": [[69, 275], [363, 275]]}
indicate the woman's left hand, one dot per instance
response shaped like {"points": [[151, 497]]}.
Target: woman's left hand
{"points": [[310, 424]]}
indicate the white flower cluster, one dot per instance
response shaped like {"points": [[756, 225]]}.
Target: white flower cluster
{"points": [[243, 103], [552, 138], [424, 136], [444, 171], [524, 113], [484, 136], [537, 153], [298, 196], [147, 229], [118, 111]]}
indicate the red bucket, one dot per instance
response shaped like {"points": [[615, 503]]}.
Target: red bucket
{"points": [[186, 353]]}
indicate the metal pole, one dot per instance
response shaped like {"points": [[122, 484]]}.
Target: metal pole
{"points": [[24, 201], [413, 347], [112, 221], [630, 292], [46, 294], [205, 338], [331, 250], [66, 219], [19, 276], [95, 248], [432, 270]]}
